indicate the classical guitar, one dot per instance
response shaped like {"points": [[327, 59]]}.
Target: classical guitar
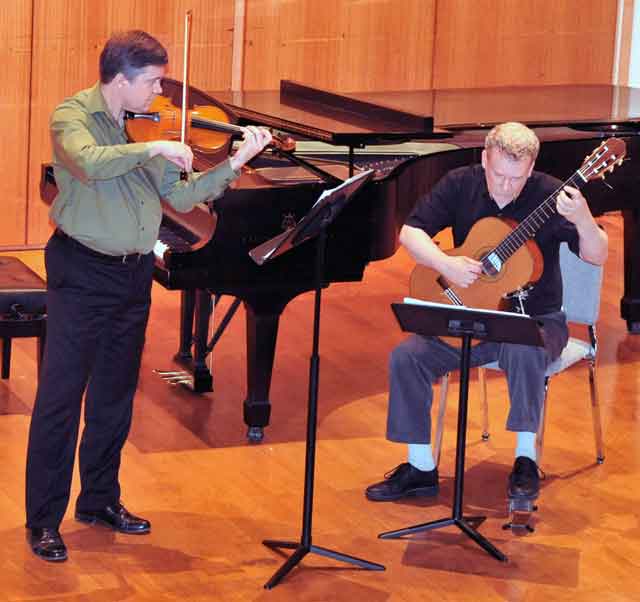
{"points": [[511, 260]]}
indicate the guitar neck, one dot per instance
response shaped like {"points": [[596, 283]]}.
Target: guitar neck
{"points": [[529, 226], [603, 159]]}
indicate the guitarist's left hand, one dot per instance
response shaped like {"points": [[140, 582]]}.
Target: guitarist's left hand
{"points": [[593, 240], [572, 205]]}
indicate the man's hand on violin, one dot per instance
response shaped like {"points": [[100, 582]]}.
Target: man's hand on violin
{"points": [[176, 152], [253, 142]]}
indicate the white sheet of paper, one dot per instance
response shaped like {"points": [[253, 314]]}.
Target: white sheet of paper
{"points": [[414, 301]]}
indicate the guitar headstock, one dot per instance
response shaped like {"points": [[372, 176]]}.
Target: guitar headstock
{"points": [[604, 159]]}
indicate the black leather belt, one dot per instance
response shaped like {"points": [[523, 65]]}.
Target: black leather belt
{"points": [[133, 257]]}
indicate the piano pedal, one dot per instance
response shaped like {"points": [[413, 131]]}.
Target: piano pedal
{"points": [[176, 377]]}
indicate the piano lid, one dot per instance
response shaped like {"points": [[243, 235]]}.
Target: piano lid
{"points": [[328, 116], [375, 117], [537, 106]]}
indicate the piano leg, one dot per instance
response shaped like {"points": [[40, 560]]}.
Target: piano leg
{"points": [[202, 378], [630, 302], [187, 308], [262, 332], [195, 313]]}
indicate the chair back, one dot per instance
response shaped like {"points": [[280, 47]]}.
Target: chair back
{"points": [[581, 284]]}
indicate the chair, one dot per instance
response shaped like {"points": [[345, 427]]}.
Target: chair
{"points": [[22, 308], [581, 283]]}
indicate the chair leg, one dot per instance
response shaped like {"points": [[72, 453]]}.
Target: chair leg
{"points": [[543, 423], [6, 356], [482, 377], [595, 412], [442, 407]]}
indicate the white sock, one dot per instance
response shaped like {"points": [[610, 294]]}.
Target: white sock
{"points": [[526, 445], [421, 456]]}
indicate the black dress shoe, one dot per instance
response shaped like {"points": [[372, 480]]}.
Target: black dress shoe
{"points": [[524, 480], [116, 517], [403, 481], [47, 544]]}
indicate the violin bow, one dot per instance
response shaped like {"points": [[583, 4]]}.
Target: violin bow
{"points": [[185, 125]]}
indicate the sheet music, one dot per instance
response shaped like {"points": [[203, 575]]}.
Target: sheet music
{"points": [[346, 184], [333, 198], [273, 248], [414, 301]]}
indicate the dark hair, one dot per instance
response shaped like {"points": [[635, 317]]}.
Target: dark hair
{"points": [[129, 51]]}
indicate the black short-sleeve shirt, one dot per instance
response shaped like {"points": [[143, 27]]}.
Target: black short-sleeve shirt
{"points": [[461, 198]]}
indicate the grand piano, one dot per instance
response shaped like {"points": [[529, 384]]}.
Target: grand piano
{"points": [[410, 139]]}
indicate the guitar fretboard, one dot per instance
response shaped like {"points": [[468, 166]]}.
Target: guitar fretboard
{"points": [[529, 226], [603, 159]]}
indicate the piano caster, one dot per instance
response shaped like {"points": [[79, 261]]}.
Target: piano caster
{"points": [[520, 511], [633, 327], [255, 434]]}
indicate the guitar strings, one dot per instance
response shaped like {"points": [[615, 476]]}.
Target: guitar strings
{"points": [[532, 223]]}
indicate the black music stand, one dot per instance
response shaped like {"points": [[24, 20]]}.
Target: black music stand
{"points": [[436, 319], [312, 225]]}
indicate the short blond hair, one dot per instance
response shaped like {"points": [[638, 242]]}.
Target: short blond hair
{"points": [[514, 139]]}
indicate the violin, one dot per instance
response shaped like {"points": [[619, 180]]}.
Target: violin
{"points": [[209, 127], [206, 128]]}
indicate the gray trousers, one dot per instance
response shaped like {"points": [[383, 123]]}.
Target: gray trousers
{"points": [[417, 362]]}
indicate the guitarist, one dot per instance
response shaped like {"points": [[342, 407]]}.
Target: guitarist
{"points": [[503, 185]]}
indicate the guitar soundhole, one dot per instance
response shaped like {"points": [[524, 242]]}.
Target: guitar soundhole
{"points": [[489, 272], [491, 264]]}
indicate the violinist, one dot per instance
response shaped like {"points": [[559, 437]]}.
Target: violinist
{"points": [[99, 267]]}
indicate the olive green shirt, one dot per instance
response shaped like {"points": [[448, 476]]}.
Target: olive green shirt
{"points": [[110, 190]]}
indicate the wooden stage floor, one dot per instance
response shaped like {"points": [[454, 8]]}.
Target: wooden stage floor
{"points": [[212, 498]]}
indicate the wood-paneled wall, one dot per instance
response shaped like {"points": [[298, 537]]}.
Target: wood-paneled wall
{"points": [[50, 48], [514, 42], [15, 75], [341, 44]]}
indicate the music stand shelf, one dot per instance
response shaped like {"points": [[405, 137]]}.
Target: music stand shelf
{"points": [[436, 319]]}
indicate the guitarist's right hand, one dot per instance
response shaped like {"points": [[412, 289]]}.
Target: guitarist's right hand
{"points": [[461, 270]]}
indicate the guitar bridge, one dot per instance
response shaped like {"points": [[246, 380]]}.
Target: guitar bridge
{"points": [[449, 293]]}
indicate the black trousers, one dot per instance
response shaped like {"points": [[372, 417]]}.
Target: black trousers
{"points": [[98, 309], [417, 363]]}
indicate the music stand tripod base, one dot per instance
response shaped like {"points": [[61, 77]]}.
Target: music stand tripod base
{"points": [[301, 550], [464, 523]]}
